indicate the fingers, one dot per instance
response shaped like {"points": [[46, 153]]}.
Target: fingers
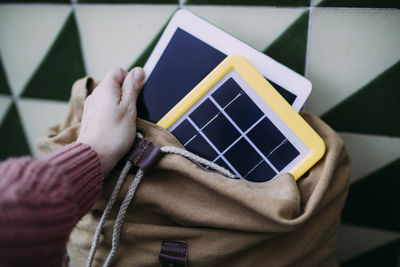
{"points": [[112, 82], [115, 76], [132, 86]]}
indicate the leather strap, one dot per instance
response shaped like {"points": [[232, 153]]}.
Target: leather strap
{"points": [[144, 154], [173, 254]]}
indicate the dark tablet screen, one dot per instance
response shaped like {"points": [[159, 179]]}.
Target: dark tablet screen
{"points": [[185, 62]]}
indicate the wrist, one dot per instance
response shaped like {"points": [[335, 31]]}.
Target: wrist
{"points": [[104, 160]]}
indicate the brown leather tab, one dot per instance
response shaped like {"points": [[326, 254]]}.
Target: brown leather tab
{"points": [[144, 154], [173, 254]]}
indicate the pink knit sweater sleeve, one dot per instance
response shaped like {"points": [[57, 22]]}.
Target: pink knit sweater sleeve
{"points": [[42, 200]]}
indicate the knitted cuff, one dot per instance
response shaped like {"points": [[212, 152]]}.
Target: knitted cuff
{"points": [[81, 164]]}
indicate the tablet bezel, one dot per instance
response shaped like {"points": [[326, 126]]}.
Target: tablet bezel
{"points": [[217, 38]]}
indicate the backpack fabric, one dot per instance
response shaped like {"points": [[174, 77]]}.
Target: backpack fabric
{"points": [[224, 222]]}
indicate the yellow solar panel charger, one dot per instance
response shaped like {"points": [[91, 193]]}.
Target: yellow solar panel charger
{"points": [[236, 119]]}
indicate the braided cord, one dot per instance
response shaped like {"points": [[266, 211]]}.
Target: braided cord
{"points": [[198, 159], [106, 212], [131, 193]]}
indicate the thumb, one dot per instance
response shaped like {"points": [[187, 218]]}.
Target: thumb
{"points": [[132, 86]]}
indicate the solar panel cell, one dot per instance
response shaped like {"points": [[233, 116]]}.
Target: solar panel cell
{"points": [[204, 113], [199, 146], [184, 131], [283, 155], [261, 173], [244, 112], [243, 157], [266, 136], [226, 92], [221, 132]]}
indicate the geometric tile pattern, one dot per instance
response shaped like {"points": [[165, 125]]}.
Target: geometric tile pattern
{"points": [[49, 112], [370, 152], [371, 238], [290, 47], [255, 32], [53, 80], [130, 1], [13, 141], [349, 49], [386, 255], [145, 54], [103, 46], [34, 28], [35, 1], [4, 87], [374, 200], [359, 3], [5, 103], [250, 2], [375, 107]]}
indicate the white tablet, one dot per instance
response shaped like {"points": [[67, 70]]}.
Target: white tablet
{"points": [[188, 50]]}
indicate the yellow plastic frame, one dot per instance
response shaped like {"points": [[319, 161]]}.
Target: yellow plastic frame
{"points": [[265, 90]]}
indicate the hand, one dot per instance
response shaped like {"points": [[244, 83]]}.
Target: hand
{"points": [[109, 116]]}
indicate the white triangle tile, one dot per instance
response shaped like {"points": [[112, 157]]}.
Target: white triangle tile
{"points": [[354, 240], [369, 153], [317, 2], [26, 34], [4, 105], [39, 115], [116, 35], [348, 49], [256, 26]]}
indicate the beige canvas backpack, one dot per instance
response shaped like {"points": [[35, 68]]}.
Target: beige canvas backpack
{"points": [[185, 215]]}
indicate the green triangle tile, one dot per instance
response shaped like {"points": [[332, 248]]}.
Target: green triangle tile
{"points": [[373, 109], [62, 65], [141, 60], [373, 201], [291, 46], [250, 2], [12, 137], [387, 255], [4, 87], [130, 1], [361, 3]]}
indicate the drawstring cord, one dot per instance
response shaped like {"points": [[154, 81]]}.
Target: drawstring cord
{"points": [[131, 193]]}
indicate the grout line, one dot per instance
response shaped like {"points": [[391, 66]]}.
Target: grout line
{"points": [[308, 39], [181, 4], [74, 5]]}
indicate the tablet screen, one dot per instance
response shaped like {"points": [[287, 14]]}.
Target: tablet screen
{"points": [[185, 61]]}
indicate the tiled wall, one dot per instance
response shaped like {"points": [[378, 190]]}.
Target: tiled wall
{"points": [[349, 49]]}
